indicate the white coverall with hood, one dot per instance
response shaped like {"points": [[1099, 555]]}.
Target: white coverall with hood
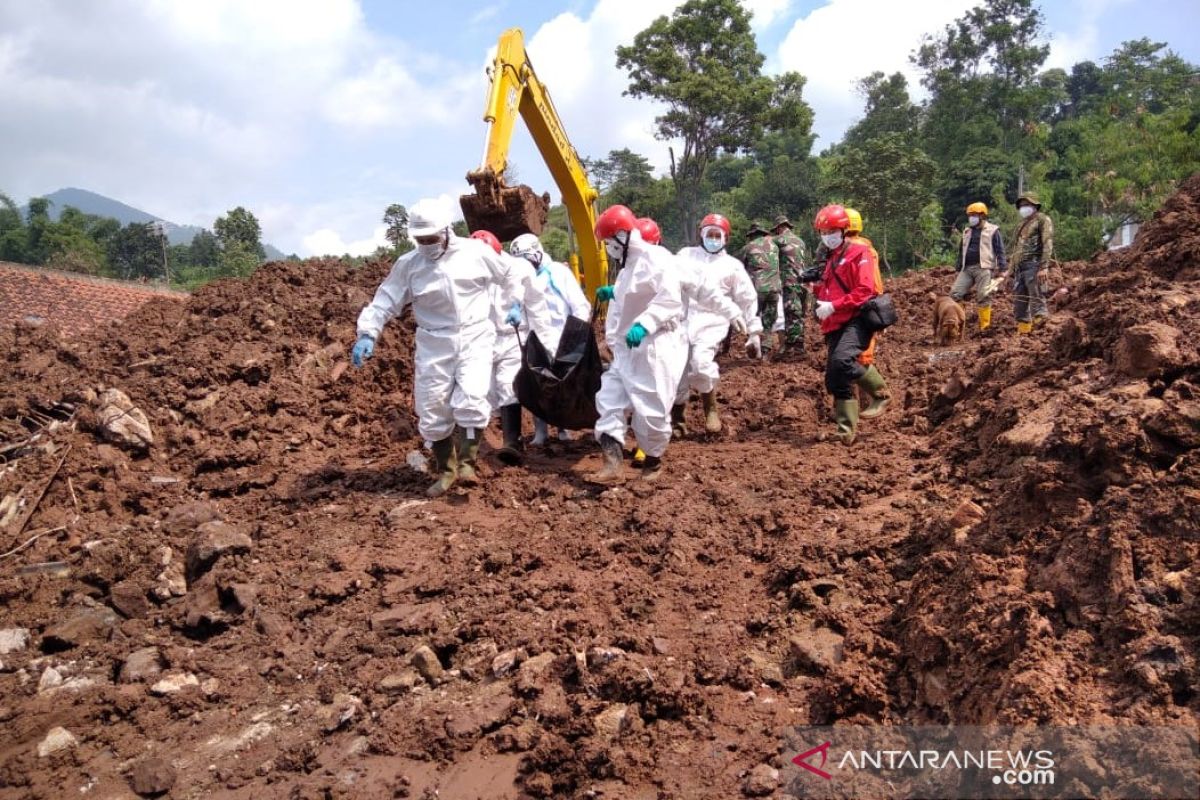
{"points": [[506, 353], [643, 379], [455, 331], [717, 290]]}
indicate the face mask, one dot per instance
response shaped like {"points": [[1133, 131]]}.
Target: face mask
{"points": [[433, 251], [973, 220], [1025, 211], [616, 247], [832, 240]]}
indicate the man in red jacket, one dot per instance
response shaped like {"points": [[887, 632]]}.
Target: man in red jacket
{"points": [[845, 283]]}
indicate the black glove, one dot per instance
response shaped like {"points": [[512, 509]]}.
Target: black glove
{"points": [[811, 275]]}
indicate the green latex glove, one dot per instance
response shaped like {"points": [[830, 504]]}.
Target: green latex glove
{"points": [[604, 294], [635, 335]]}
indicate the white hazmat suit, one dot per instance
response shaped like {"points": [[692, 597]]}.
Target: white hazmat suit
{"points": [[506, 353], [643, 379], [717, 290], [455, 331]]}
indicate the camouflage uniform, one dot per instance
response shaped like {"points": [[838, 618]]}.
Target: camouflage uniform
{"points": [[793, 259], [1031, 255], [761, 259]]}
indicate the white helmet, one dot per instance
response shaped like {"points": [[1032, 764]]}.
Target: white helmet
{"points": [[525, 245], [428, 217]]}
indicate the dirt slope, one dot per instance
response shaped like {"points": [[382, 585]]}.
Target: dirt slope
{"points": [[335, 635]]}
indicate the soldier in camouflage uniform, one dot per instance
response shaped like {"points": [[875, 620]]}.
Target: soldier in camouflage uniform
{"points": [[761, 259], [1031, 255], [793, 260]]}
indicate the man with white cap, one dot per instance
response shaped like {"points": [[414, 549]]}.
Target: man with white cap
{"points": [[446, 279], [563, 299]]}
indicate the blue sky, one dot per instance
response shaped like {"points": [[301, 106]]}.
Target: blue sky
{"points": [[316, 114]]}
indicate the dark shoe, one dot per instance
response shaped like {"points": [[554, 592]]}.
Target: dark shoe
{"points": [[712, 419], [652, 469], [510, 427], [468, 451], [678, 421], [876, 389], [613, 469], [446, 464]]}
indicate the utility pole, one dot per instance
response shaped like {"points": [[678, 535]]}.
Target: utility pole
{"points": [[1020, 180]]}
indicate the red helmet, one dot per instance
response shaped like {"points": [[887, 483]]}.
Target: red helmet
{"points": [[832, 217], [613, 220], [719, 221], [488, 238], [649, 229]]}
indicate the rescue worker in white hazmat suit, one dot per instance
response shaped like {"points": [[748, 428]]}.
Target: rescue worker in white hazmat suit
{"points": [[724, 297], [446, 279], [563, 298], [644, 331], [508, 318]]}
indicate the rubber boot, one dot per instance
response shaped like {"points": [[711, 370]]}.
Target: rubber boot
{"points": [[652, 469], [614, 465], [1024, 328], [639, 457], [540, 432], [712, 420], [678, 421], [468, 450], [847, 421], [985, 317], [510, 427], [875, 387], [447, 467]]}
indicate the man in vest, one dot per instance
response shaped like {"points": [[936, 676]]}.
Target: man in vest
{"points": [[1031, 255], [793, 260], [981, 262], [761, 259]]}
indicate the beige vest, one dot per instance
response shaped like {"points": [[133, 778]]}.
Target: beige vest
{"points": [[987, 258]]}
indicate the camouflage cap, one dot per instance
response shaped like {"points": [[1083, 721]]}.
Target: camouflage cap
{"points": [[1031, 198], [782, 219], [758, 226]]}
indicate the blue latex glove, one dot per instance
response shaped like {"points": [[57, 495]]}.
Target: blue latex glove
{"points": [[635, 335], [363, 349], [604, 294], [514, 314]]}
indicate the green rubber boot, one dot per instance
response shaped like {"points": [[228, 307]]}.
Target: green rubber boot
{"points": [[468, 451], [847, 420], [447, 466], [876, 388]]}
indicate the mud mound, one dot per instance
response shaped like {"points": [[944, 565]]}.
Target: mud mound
{"points": [[229, 582]]}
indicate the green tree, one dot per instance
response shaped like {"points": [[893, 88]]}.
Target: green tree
{"points": [[396, 219], [238, 260], [14, 241], [205, 251], [136, 252], [623, 177], [703, 63], [241, 227], [889, 109], [888, 179], [37, 223]]}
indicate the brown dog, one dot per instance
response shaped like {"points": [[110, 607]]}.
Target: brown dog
{"points": [[948, 320]]}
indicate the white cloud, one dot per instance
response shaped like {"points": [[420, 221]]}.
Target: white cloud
{"points": [[329, 242], [846, 40], [766, 12]]}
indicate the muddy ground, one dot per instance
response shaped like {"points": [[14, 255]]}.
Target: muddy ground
{"points": [[261, 603]]}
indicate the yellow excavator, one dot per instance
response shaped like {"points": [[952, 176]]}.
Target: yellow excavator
{"points": [[509, 211]]}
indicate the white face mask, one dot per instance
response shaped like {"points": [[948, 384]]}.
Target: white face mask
{"points": [[616, 246], [712, 239], [832, 240], [973, 220], [1025, 211], [433, 251]]}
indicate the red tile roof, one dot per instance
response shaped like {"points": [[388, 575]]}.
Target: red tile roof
{"points": [[71, 302]]}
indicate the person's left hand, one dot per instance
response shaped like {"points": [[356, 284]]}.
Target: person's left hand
{"points": [[514, 314], [824, 310], [636, 334]]}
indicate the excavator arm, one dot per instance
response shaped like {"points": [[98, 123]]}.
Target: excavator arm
{"points": [[510, 211]]}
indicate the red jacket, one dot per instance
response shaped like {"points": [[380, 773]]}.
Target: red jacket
{"points": [[852, 263]]}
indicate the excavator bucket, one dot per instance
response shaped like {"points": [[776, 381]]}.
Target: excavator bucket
{"points": [[506, 211]]}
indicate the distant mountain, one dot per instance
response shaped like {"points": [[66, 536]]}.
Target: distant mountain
{"points": [[101, 206]]}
